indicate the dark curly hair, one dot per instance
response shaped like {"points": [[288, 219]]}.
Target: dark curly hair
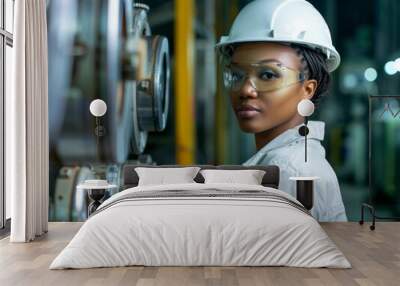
{"points": [[314, 66]]}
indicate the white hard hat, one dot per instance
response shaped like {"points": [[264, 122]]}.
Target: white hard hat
{"points": [[289, 21]]}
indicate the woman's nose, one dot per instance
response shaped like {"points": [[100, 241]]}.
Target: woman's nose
{"points": [[247, 89]]}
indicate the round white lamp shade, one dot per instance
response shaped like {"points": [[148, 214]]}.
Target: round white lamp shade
{"points": [[305, 107], [98, 107]]}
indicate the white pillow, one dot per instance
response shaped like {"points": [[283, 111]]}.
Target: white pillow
{"points": [[162, 176], [250, 177]]}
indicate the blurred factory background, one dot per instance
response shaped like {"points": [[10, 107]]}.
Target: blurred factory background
{"points": [[202, 129]]}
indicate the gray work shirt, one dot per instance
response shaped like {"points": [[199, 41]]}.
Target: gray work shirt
{"points": [[287, 152]]}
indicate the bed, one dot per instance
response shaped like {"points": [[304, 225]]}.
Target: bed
{"points": [[201, 224]]}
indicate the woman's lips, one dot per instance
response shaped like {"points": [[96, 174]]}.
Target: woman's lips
{"points": [[247, 112]]}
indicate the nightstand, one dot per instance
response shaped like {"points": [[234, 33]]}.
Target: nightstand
{"points": [[96, 190], [305, 190]]}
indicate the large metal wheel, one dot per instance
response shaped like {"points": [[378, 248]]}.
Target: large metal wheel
{"points": [[153, 92], [140, 28], [100, 60]]}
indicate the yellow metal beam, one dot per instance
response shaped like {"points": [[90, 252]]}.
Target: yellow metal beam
{"points": [[226, 11], [183, 77]]}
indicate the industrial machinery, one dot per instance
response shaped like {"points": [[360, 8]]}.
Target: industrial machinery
{"points": [[102, 49]]}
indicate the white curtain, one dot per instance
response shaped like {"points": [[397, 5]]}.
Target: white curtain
{"points": [[27, 148]]}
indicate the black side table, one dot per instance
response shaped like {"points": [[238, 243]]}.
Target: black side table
{"points": [[305, 190], [96, 194]]}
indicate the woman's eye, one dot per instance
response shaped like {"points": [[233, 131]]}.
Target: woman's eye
{"points": [[268, 75]]}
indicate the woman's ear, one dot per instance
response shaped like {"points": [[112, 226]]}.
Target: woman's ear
{"points": [[309, 88]]}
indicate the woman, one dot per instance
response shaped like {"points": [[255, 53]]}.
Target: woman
{"points": [[278, 53]]}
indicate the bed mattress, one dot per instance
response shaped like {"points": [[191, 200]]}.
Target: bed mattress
{"points": [[198, 224]]}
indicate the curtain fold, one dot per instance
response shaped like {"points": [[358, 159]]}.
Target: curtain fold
{"points": [[27, 132]]}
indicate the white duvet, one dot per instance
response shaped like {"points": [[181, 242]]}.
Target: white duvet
{"points": [[183, 231]]}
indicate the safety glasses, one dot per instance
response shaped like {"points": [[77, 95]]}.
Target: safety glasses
{"points": [[264, 76]]}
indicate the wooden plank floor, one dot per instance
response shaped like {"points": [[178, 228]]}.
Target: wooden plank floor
{"points": [[375, 257]]}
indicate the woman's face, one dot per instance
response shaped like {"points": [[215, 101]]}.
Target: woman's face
{"points": [[266, 110]]}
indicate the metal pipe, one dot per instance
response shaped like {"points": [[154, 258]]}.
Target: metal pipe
{"points": [[225, 125], [184, 92]]}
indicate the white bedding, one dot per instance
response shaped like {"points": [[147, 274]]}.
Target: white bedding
{"points": [[182, 231]]}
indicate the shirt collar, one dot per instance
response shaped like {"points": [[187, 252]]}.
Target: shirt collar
{"points": [[316, 131]]}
